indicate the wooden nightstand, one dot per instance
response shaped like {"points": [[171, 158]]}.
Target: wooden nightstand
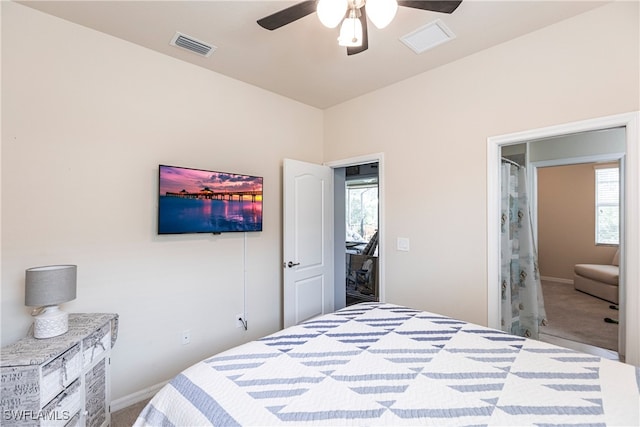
{"points": [[60, 381]]}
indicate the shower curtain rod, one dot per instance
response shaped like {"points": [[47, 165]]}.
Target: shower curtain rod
{"points": [[510, 161]]}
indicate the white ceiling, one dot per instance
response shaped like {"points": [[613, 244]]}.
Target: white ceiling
{"points": [[302, 60]]}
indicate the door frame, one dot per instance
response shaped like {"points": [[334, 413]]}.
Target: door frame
{"points": [[630, 240], [339, 245]]}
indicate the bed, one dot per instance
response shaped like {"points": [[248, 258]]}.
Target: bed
{"points": [[384, 364]]}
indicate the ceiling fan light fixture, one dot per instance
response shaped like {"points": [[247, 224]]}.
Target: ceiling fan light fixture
{"points": [[354, 29], [351, 31], [331, 12], [381, 12]]}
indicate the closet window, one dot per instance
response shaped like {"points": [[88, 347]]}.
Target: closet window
{"points": [[607, 205]]}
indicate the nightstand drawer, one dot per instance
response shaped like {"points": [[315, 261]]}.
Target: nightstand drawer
{"points": [[96, 344], [60, 372], [74, 421], [63, 407]]}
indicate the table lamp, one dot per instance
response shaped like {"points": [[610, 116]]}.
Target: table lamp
{"points": [[46, 287]]}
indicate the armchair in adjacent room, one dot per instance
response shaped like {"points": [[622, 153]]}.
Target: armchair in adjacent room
{"points": [[599, 280]]}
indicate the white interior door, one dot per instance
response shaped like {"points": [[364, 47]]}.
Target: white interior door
{"points": [[308, 241]]}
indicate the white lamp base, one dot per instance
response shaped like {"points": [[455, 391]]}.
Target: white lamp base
{"points": [[50, 323]]}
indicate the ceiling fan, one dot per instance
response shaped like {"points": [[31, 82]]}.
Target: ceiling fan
{"points": [[352, 14]]}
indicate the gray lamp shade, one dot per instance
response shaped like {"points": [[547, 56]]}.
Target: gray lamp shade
{"points": [[50, 285]]}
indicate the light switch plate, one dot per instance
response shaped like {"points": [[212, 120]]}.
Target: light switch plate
{"points": [[403, 244]]}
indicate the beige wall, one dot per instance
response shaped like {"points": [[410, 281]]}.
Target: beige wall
{"points": [[86, 120], [566, 221], [92, 115], [433, 130]]}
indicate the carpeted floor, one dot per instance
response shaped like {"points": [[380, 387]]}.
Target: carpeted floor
{"points": [[577, 316], [127, 416]]}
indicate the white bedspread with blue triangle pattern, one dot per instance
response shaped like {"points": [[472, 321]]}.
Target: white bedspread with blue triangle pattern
{"points": [[383, 364]]}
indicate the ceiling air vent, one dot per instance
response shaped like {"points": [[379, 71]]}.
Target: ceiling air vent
{"points": [[194, 45], [428, 36]]}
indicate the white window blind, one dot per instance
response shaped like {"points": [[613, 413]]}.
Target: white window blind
{"points": [[607, 206]]}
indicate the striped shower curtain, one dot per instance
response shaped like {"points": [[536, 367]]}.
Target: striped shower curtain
{"points": [[522, 305]]}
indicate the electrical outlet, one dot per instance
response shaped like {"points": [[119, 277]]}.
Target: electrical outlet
{"points": [[239, 320], [186, 337]]}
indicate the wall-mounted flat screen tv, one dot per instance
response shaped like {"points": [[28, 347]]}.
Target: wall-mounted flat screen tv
{"points": [[203, 201]]}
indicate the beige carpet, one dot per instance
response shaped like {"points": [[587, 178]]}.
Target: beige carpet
{"points": [[577, 316], [127, 416]]}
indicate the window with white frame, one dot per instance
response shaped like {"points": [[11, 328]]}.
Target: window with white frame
{"points": [[362, 210], [607, 205]]}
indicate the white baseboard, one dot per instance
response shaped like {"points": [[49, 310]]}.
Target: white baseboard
{"points": [[556, 279], [136, 397]]}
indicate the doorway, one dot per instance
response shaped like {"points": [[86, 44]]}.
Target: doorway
{"points": [[574, 231], [361, 238], [629, 335], [364, 173], [574, 226]]}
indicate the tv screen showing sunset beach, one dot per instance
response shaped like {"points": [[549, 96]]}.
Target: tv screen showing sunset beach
{"points": [[202, 201]]}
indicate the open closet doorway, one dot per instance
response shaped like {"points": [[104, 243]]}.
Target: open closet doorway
{"points": [[629, 333]]}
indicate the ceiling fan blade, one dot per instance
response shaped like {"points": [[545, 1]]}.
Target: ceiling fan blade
{"points": [[288, 15], [352, 50], [443, 6]]}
